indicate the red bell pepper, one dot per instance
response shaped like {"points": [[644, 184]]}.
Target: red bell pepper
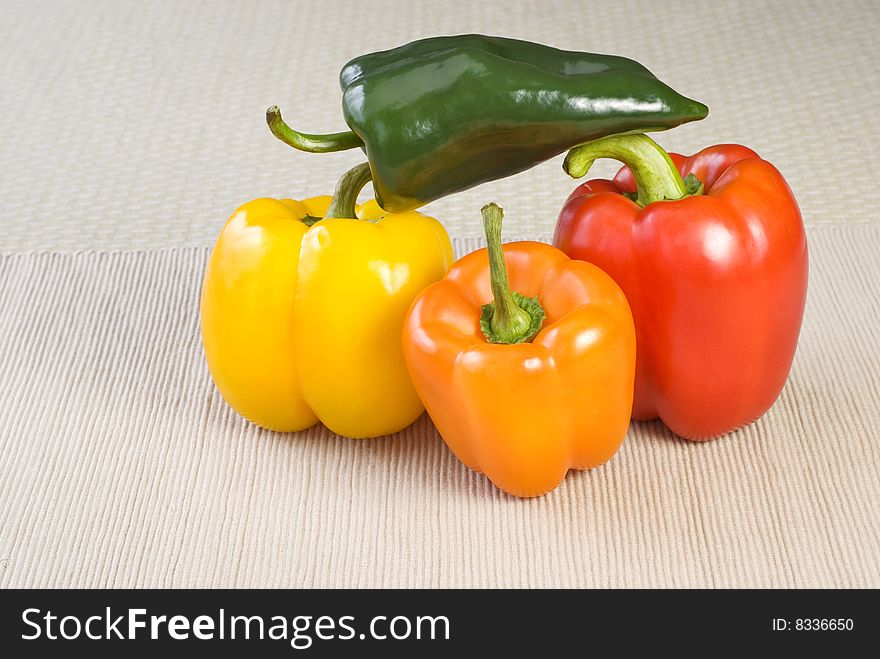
{"points": [[714, 267]]}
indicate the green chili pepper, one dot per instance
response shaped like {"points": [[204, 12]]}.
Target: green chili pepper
{"points": [[444, 114]]}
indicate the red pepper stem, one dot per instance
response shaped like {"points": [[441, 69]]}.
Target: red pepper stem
{"points": [[306, 141], [657, 178], [511, 317], [347, 190]]}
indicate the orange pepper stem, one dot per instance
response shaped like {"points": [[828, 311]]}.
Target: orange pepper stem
{"points": [[656, 176], [306, 141], [511, 317], [347, 190]]}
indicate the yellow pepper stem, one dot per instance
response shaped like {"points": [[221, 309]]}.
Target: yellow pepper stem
{"points": [[347, 190], [512, 317]]}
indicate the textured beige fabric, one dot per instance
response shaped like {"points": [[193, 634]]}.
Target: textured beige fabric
{"points": [[123, 467], [127, 124], [130, 128]]}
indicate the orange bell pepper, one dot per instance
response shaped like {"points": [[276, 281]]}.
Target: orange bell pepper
{"points": [[537, 381]]}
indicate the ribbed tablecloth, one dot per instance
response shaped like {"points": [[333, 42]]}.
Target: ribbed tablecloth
{"points": [[130, 130], [122, 466]]}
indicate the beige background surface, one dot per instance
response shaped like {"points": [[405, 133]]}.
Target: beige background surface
{"points": [[130, 125], [129, 131]]}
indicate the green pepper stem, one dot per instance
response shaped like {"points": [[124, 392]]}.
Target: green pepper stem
{"points": [[347, 190], [511, 317], [306, 141], [656, 176]]}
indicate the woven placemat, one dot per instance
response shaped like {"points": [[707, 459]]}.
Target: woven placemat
{"points": [[122, 466]]}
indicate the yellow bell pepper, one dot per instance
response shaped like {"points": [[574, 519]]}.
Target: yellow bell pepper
{"points": [[303, 323]]}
